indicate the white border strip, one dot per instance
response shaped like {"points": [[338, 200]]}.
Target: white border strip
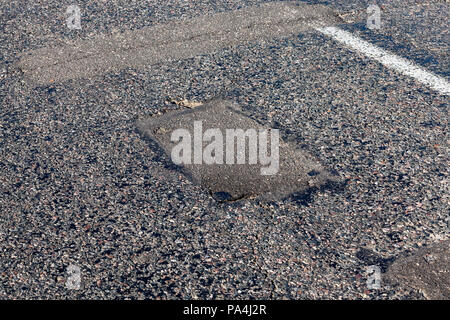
{"points": [[388, 59]]}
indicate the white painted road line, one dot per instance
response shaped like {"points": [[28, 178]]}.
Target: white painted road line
{"points": [[388, 59]]}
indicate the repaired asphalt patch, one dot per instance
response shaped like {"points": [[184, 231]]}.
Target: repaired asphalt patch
{"points": [[178, 39], [428, 271], [298, 170]]}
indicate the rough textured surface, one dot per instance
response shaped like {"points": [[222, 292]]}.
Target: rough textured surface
{"points": [[296, 171], [79, 186]]}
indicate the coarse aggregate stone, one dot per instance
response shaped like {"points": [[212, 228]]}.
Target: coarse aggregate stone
{"points": [[79, 186]]}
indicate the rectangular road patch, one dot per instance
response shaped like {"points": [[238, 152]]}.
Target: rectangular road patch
{"points": [[296, 171], [178, 39]]}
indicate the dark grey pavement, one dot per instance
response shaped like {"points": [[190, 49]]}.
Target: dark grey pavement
{"points": [[79, 186]]}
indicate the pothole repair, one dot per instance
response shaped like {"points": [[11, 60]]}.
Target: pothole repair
{"points": [[297, 171]]}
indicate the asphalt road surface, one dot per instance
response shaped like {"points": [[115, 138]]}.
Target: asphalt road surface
{"points": [[90, 209]]}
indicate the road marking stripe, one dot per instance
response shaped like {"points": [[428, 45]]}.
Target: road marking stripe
{"points": [[388, 59]]}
